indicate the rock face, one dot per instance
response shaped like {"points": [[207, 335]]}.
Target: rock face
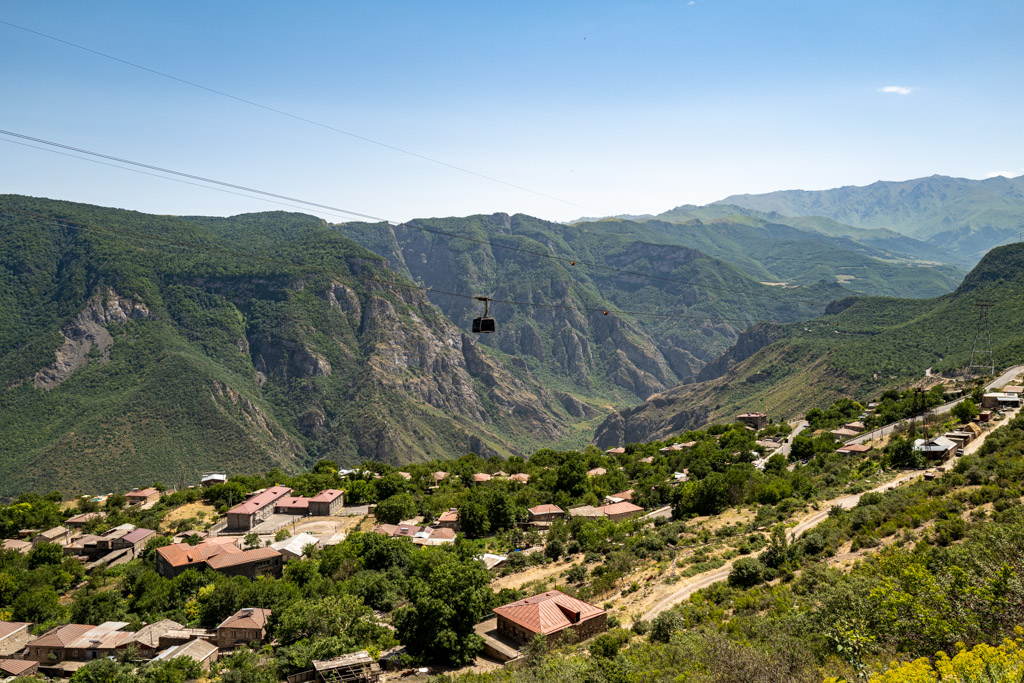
{"points": [[749, 342], [86, 336], [286, 358]]}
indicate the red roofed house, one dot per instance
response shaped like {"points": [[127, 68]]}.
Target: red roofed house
{"points": [[481, 477], [327, 503], [596, 472], [521, 477], [78, 642], [448, 519], [250, 563], [620, 511], [854, 448], [245, 516], [756, 421], [22, 547], [172, 560], [292, 505], [247, 625], [134, 540], [552, 614], [18, 667], [142, 497]]}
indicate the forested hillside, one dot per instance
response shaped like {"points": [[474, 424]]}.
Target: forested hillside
{"points": [[137, 347], [859, 347]]}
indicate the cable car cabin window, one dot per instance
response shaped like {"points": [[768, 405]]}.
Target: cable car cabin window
{"points": [[483, 325]]}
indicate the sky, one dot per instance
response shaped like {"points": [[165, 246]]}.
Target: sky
{"points": [[578, 108]]}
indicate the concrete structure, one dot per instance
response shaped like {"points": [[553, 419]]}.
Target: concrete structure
{"points": [[202, 651], [257, 508], [1000, 401], [546, 513], [213, 479], [143, 496], [249, 563], [247, 625], [356, 667], [756, 421], [327, 503], [554, 615], [58, 534]]}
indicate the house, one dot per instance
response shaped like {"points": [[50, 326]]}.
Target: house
{"points": [[853, 449], [586, 511], [843, 433], [22, 547], [17, 667], [856, 426], [1013, 389], [202, 651], [419, 535], [619, 497], [295, 547], [680, 477], [545, 513], [1000, 401], [58, 534], [649, 460], [147, 638], [597, 472], [939, 448], [356, 667], [183, 635], [481, 477], [141, 497], [292, 505], [212, 479], [439, 476], [521, 477], [247, 625], [134, 540], [448, 519], [985, 416], [172, 560], [14, 636], [79, 521], [405, 475], [397, 530], [492, 561], [552, 614], [756, 421], [616, 451], [620, 511], [961, 438], [259, 507], [78, 642], [686, 445], [327, 503], [250, 563]]}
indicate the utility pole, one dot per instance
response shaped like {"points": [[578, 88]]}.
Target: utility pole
{"points": [[983, 329]]}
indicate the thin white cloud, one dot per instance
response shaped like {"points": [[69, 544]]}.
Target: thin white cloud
{"points": [[896, 90]]}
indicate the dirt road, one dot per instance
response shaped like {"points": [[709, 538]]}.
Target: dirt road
{"points": [[807, 523]]}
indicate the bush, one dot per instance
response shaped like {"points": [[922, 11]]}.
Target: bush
{"points": [[664, 625], [746, 572]]}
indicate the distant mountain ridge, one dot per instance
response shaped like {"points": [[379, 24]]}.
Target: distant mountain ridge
{"points": [[860, 347]]}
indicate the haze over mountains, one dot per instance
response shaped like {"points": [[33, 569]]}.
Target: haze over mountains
{"points": [[155, 347]]}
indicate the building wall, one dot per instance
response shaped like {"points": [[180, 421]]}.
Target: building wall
{"points": [[268, 567], [586, 629], [232, 637], [327, 509]]}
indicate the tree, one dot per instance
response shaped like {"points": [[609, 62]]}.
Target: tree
{"points": [[553, 550], [572, 477], [474, 521], [802, 448], [251, 540], [116, 501], [282, 535], [331, 617], [746, 572], [396, 508], [447, 598], [900, 453], [44, 554], [965, 410]]}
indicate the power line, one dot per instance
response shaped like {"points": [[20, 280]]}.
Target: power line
{"points": [[571, 261], [303, 119], [351, 277]]}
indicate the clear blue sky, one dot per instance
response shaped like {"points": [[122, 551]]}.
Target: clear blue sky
{"points": [[619, 107]]}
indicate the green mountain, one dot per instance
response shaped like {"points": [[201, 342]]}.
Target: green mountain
{"points": [[860, 347], [673, 308], [964, 217], [136, 347]]}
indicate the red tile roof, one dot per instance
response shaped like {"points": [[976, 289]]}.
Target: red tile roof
{"points": [[62, 636], [481, 477], [243, 557], [144, 493], [137, 535], [449, 516], [8, 628], [622, 508], [16, 667], [183, 554], [546, 510], [247, 617], [260, 500], [548, 612], [326, 496], [292, 502]]}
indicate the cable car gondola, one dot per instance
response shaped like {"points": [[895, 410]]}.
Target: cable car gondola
{"points": [[485, 324]]}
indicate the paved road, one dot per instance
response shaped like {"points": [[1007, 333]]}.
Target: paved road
{"points": [[808, 523], [1008, 376], [788, 444]]}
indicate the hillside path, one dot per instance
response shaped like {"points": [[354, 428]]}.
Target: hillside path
{"points": [[695, 583]]}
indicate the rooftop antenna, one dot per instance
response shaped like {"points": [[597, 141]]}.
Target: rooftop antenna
{"points": [[978, 355]]}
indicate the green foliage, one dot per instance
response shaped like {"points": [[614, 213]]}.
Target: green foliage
{"points": [[396, 508]]}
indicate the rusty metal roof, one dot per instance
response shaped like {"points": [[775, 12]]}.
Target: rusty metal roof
{"points": [[548, 612]]}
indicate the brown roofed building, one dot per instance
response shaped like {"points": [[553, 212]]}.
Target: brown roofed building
{"points": [[521, 477], [357, 667], [22, 547], [448, 519], [79, 642], [292, 505], [172, 560], [202, 651], [756, 421], [596, 472], [481, 477], [250, 563], [147, 638], [439, 476], [552, 614], [58, 534], [620, 511], [143, 496], [247, 625], [327, 503], [14, 636], [18, 667], [245, 516], [853, 448], [619, 497], [80, 520], [546, 513], [134, 540]]}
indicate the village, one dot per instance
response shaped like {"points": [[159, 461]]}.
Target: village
{"points": [[259, 535]]}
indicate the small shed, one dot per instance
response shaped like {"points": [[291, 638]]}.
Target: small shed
{"points": [[357, 667]]}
